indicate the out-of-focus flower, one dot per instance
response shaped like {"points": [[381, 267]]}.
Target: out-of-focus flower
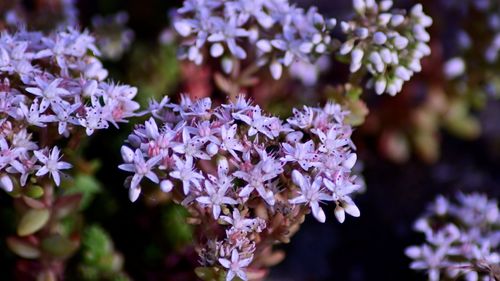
{"points": [[273, 33], [462, 239], [113, 36], [454, 68]]}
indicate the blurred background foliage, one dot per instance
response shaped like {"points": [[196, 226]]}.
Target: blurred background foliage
{"points": [[439, 135]]}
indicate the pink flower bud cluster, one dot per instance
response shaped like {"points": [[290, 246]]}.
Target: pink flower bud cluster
{"points": [[228, 159], [462, 239], [52, 86]]}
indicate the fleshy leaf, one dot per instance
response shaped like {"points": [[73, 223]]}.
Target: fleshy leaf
{"points": [[32, 221]]}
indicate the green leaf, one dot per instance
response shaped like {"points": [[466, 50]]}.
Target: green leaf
{"points": [[34, 191], [354, 92], [23, 248], [32, 221], [96, 245]]}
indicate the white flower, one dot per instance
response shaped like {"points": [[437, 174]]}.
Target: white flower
{"points": [[267, 169], [24, 166], [310, 193], [141, 168], [302, 119], [431, 260], [229, 33], [461, 238], [184, 172], [229, 142], [7, 154], [216, 196], [235, 266], [302, 153], [257, 122], [238, 222], [332, 141], [341, 189], [64, 115], [50, 93], [94, 119], [51, 164], [33, 114], [191, 147]]}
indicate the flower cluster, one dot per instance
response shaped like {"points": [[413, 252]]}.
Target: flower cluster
{"points": [[493, 18], [56, 14], [462, 239], [279, 33], [113, 36], [50, 86], [262, 163], [386, 43], [489, 13]]}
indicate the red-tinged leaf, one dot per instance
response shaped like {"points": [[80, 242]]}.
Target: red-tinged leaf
{"points": [[67, 204], [59, 246], [33, 203], [23, 248]]}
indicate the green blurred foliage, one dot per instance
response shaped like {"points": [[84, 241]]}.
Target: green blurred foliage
{"points": [[177, 232], [99, 260], [155, 71]]}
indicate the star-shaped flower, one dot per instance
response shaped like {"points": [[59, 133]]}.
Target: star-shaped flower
{"points": [[51, 164], [141, 168], [310, 193], [184, 172], [235, 266]]}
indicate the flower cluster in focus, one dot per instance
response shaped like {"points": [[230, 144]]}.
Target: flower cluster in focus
{"points": [[51, 86], [462, 239], [273, 33], [235, 166], [387, 43]]}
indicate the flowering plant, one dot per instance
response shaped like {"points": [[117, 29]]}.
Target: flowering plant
{"points": [[52, 94], [269, 173]]}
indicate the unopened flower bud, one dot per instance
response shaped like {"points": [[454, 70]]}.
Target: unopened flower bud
{"points": [[6, 183], [127, 154], [166, 186]]}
